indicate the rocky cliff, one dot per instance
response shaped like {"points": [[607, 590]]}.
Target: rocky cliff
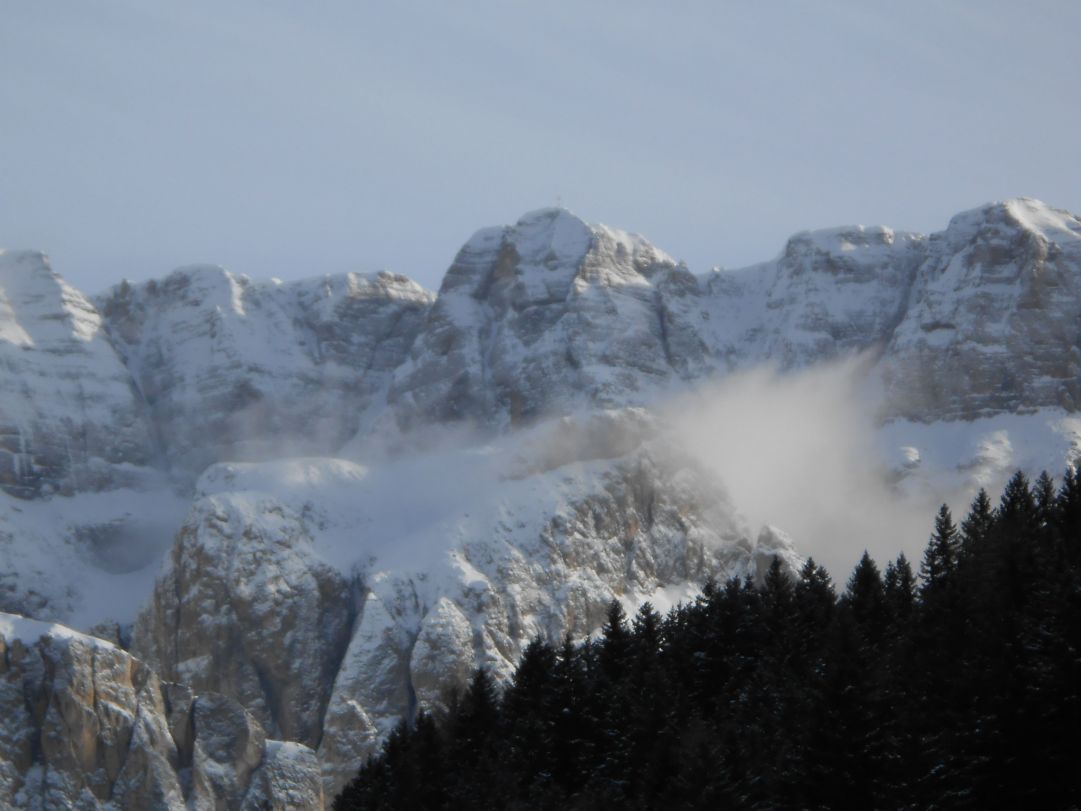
{"points": [[86, 725], [233, 369], [70, 419]]}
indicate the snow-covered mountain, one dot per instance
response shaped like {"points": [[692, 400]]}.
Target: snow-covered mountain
{"points": [[229, 368], [330, 499]]}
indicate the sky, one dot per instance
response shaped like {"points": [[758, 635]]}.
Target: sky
{"points": [[294, 139]]}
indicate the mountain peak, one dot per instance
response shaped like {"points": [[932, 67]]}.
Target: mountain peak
{"points": [[1035, 215], [551, 235], [1018, 213], [550, 213]]}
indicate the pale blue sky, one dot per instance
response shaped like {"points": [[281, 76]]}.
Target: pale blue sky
{"points": [[296, 138]]}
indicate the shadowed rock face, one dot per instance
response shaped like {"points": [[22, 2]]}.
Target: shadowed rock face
{"points": [[85, 725]]}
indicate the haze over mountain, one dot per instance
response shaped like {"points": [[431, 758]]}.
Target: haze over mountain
{"points": [[282, 139], [329, 499]]}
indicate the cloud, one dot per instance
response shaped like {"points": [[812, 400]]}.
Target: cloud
{"points": [[798, 450]]}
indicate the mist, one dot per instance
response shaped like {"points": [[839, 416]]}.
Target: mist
{"points": [[799, 451]]}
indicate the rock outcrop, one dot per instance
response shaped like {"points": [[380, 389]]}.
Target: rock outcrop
{"points": [[245, 608], [552, 314], [85, 725]]}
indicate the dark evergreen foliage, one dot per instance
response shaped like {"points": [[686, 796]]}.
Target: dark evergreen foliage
{"points": [[960, 691]]}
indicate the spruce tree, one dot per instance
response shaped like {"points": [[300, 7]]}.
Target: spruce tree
{"points": [[941, 555], [527, 715], [899, 590], [976, 526], [866, 598], [472, 751]]}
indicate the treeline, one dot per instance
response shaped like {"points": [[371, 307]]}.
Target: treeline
{"points": [[956, 689]]}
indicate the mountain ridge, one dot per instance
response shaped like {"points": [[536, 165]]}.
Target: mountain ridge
{"points": [[331, 498]]}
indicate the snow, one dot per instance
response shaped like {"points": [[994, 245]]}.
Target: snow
{"points": [[29, 631], [551, 235], [53, 553], [1051, 223], [408, 514]]}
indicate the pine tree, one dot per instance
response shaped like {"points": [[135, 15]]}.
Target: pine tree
{"points": [[573, 728], [527, 712], [866, 597], [612, 706], [815, 602], [899, 745], [1043, 492], [941, 555], [1069, 514], [940, 639], [472, 750], [899, 590], [976, 527], [1017, 511], [615, 653]]}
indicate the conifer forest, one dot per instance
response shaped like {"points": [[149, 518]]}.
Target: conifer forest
{"points": [[951, 683]]}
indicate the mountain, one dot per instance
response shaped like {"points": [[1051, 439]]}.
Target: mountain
{"points": [[330, 499]]}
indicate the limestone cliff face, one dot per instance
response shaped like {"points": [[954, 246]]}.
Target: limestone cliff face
{"points": [[244, 608], [539, 317], [992, 324], [230, 368], [549, 530], [69, 418], [85, 725]]}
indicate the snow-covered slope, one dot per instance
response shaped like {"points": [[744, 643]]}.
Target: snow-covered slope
{"points": [[69, 419]]}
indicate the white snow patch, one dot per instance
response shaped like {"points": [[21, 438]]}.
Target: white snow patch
{"points": [[28, 631]]}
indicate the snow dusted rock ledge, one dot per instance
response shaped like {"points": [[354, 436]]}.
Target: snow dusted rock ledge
{"points": [[85, 725]]}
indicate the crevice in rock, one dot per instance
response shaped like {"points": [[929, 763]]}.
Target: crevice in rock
{"points": [[662, 324], [410, 691]]}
